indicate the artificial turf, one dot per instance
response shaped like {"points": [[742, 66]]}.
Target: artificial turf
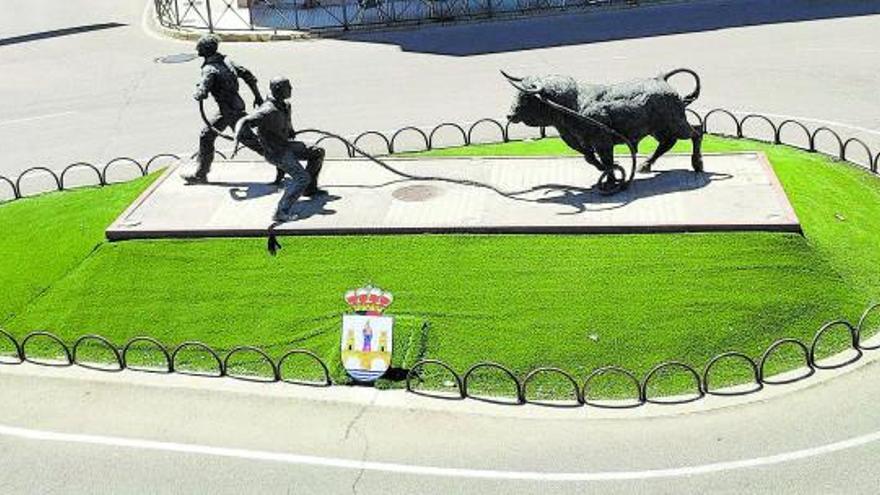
{"points": [[575, 302]]}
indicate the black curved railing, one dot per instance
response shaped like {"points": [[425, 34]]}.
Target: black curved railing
{"points": [[583, 394], [101, 175], [464, 135], [319, 16], [223, 363]]}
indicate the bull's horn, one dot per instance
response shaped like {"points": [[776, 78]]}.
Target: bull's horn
{"points": [[522, 89], [511, 78]]}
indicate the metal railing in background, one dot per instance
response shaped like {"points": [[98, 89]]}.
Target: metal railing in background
{"points": [[346, 15], [718, 122]]}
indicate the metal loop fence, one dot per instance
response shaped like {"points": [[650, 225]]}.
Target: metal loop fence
{"points": [[255, 377], [337, 16], [414, 139], [530, 377], [243, 363], [224, 364], [657, 370], [700, 385], [100, 176], [154, 344], [106, 345], [609, 370], [730, 356]]}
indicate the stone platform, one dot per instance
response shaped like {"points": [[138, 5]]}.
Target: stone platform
{"points": [[479, 195]]}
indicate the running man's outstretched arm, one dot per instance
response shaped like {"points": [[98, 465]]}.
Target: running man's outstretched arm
{"points": [[246, 122], [249, 79]]}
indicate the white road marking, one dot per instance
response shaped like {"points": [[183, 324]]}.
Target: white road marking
{"points": [[38, 117], [386, 467]]}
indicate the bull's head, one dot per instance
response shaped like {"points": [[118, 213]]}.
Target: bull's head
{"points": [[528, 107]]}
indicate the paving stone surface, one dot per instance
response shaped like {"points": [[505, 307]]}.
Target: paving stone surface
{"points": [[491, 195]]}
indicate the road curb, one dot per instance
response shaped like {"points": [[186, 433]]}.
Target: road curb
{"points": [[400, 399]]}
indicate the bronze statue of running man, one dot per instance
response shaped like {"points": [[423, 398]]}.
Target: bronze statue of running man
{"points": [[277, 139]]}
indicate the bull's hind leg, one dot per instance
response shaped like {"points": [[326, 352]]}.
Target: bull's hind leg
{"points": [[664, 144], [697, 155]]}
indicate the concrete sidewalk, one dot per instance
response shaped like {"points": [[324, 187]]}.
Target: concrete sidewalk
{"points": [[476, 195]]}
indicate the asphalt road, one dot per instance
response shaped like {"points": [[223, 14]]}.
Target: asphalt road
{"points": [[88, 432], [98, 93], [80, 83]]}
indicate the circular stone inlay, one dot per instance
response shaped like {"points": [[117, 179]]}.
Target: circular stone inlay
{"points": [[416, 193], [178, 58]]}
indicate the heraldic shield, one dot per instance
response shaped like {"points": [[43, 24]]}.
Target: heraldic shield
{"points": [[367, 334]]}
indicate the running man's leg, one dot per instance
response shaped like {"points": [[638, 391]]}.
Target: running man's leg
{"points": [[206, 148], [314, 157], [299, 180]]}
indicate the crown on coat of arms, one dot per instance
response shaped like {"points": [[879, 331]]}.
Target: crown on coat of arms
{"points": [[369, 300]]}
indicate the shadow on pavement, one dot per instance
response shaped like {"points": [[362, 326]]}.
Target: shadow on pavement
{"points": [[55, 33], [587, 199], [592, 27]]}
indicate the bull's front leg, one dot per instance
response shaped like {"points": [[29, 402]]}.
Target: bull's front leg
{"points": [[613, 178], [592, 159], [580, 145]]}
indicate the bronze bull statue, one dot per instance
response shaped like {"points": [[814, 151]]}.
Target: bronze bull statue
{"points": [[593, 118]]}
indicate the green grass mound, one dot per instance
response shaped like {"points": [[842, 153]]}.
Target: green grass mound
{"points": [[573, 302]]}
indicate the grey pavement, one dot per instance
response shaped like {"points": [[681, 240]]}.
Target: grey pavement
{"points": [[496, 195], [225, 414], [98, 94]]}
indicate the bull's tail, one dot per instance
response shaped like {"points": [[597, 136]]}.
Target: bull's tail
{"points": [[696, 93]]}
